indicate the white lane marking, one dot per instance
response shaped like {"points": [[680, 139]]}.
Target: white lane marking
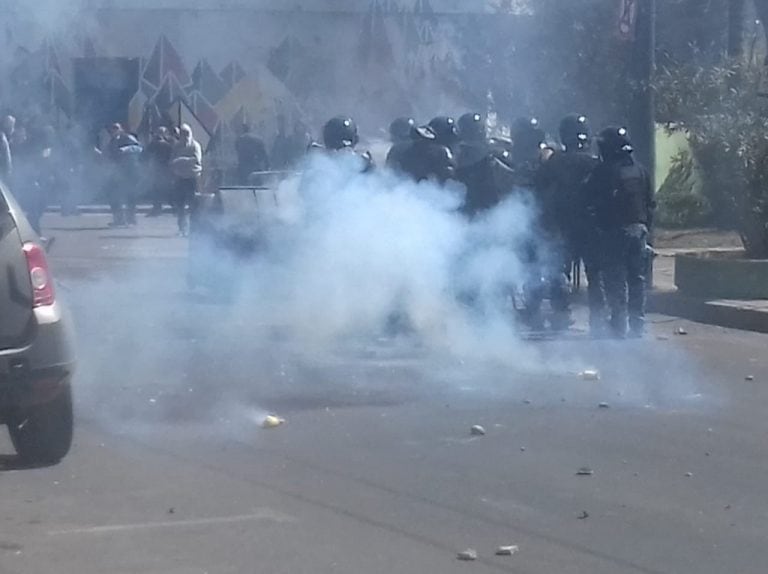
{"points": [[263, 514]]}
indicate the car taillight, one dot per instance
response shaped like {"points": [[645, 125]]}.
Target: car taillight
{"points": [[39, 275]]}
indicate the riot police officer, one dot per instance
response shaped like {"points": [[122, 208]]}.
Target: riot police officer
{"points": [[445, 130], [479, 167], [400, 130], [422, 157], [400, 134], [340, 135], [561, 182], [528, 145], [620, 194]]}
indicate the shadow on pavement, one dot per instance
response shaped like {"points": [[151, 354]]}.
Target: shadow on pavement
{"points": [[135, 236], [11, 462], [76, 229]]}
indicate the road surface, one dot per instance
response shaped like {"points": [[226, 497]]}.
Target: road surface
{"points": [[375, 470]]}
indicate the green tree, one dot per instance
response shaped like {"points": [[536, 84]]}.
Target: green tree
{"points": [[726, 121]]}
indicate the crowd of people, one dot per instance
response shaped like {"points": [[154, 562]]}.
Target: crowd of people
{"points": [[44, 165], [595, 208], [169, 167], [33, 161]]}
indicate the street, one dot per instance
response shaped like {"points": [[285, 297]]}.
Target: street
{"points": [[658, 467]]}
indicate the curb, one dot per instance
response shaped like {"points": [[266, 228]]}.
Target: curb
{"points": [[96, 209], [708, 312]]}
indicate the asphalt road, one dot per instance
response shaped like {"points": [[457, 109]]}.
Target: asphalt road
{"points": [[375, 470]]}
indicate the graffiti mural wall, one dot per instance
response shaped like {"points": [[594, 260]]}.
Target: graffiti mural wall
{"points": [[221, 67]]}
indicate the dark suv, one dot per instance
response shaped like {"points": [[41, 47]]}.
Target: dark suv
{"points": [[37, 358]]}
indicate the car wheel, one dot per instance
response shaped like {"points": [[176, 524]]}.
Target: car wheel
{"points": [[43, 434]]}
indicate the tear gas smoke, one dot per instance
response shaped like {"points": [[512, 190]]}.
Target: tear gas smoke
{"points": [[307, 325]]}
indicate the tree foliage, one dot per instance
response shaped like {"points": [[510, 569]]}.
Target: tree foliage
{"points": [[547, 59], [721, 110], [680, 203]]}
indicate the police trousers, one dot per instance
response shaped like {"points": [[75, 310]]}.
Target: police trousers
{"points": [[626, 263]]}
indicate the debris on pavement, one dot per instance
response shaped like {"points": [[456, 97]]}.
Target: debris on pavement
{"points": [[688, 474], [681, 331], [468, 555], [749, 378], [585, 471], [272, 421], [662, 338], [590, 375], [584, 515], [507, 550], [171, 510], [604, 406], [477, 430]]}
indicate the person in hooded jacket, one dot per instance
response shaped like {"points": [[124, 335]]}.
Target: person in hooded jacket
{"points": [[124, 152], [187, 168]]}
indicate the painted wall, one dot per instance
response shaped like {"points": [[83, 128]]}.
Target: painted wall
{"points": [[226, 61]]}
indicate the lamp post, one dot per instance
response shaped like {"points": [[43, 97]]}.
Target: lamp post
{"points": [[641, 68], [637, 25]]}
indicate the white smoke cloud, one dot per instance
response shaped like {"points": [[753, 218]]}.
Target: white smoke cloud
{"points": [[307, 325], [354, 252], [365, 246]]}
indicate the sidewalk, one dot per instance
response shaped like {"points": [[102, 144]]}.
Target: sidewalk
{"points": [[732, 313]]}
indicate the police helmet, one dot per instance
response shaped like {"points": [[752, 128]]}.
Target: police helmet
{"points": [[400, 129], [527, 135], [472, 127], [524, 125], [575, 131], [614, 141], [444, 128], [340, 132]]}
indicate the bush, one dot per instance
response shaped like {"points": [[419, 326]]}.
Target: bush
{"points": [[680, 202], [722, 111]]}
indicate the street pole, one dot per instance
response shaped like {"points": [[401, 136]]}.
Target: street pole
{"points": [[642, 123], [641, 113]]}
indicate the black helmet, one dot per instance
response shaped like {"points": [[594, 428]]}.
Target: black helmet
{"points": [[340, 132], [400, 129], [527, 135], [523, 126], [472, 127], [444, 128], [575, 132], [614, 141]]}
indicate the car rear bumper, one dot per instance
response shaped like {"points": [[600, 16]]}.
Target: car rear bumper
{"points": [[36, 373], [35, 388]]}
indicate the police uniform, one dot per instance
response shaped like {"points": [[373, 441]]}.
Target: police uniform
{"points": [[484, 174], [340, 135], [422, 158], [621, 197], [561, 181], [526, 159]]}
